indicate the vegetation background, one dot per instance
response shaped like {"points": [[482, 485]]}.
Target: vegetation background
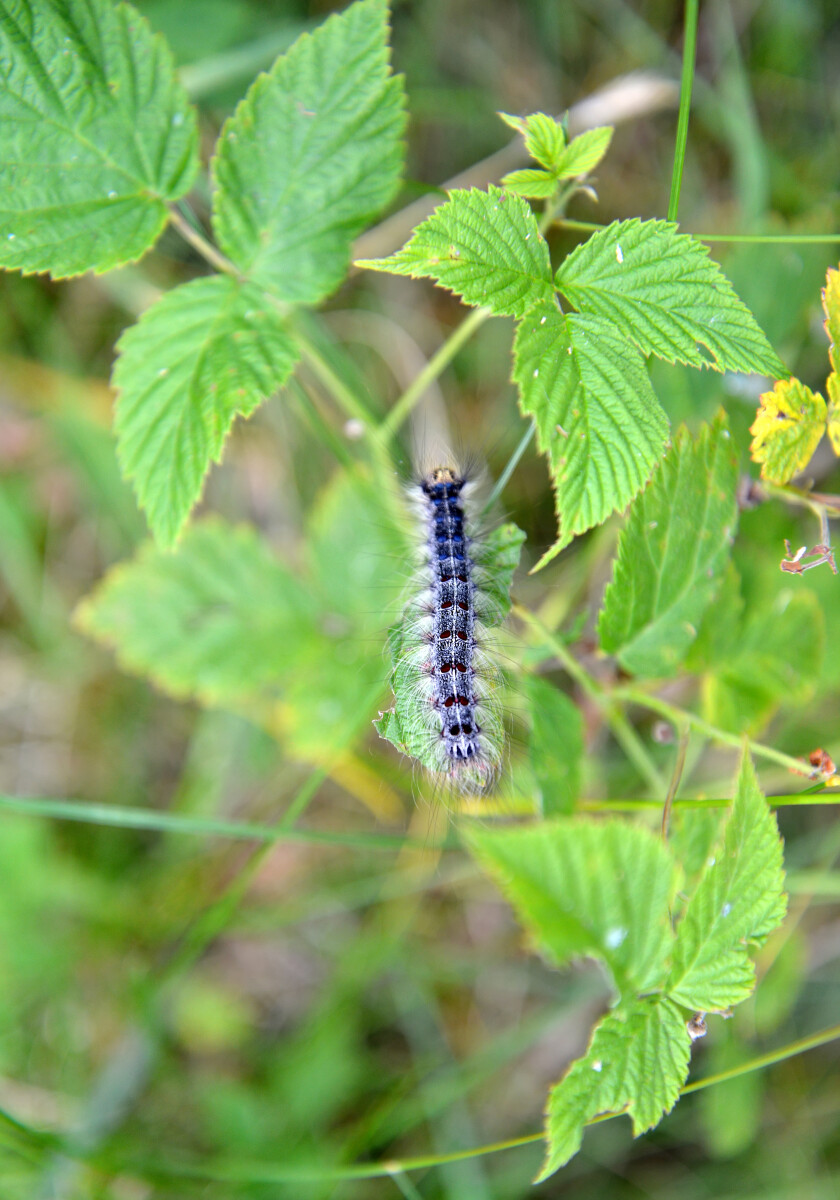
{"points": [[174, 1000]]}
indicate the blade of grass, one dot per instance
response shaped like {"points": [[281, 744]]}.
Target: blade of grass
{"points": [[686, 85]]}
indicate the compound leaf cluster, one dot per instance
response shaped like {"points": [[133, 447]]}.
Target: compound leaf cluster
{"points": [[639, 288], [607, 891], [97, 140]]}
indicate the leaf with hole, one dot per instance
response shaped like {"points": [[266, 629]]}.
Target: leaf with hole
{"points": [[787, 430]]}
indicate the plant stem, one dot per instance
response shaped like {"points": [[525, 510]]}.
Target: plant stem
{"points": [[632, 695], [200, 243], [501, 482], [433, 368], [622, 730]]}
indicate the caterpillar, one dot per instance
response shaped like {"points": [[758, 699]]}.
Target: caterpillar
{"points": [[446, 683]]}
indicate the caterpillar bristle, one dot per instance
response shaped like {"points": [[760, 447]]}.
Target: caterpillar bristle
{"points": [[446, 680]]}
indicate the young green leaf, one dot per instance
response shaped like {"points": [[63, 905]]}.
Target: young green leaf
{"points": [[96, 136], [218, 620], [660, 289], [484, 246], [776, 659], [311, 154], [585, 889], [555, 746], [739, 900], [544, 137], [596, 415], [787, 429], [672, 553], [636, 1063], [208, 351], [583, 153], [530, 183]]}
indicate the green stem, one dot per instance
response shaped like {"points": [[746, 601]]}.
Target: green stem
{"points": [[632, 695], [622, 730], [323, 370], [501, 482], [273, 1173], [200, 243], [433, 368], [689, 51], [793, 799]]}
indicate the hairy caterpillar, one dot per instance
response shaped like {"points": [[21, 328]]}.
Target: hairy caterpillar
{"points": [[447, 711]]}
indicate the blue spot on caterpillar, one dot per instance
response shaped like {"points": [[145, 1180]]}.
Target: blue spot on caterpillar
{"points": [[446, 683]]}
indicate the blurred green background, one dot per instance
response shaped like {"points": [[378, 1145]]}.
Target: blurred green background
{"points": [[181, 1019]]}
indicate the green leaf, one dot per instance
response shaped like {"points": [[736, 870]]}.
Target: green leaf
{"points": [[739, 900], [208, 351], [660, 289], [719, 635], [96, 136], [223, 621], [583, 153], [218, 620], [544, 137], [596, 415], [311, 154], [555, 746], [530, 183], [484, 246], [498, 556], [787, 429], [776, 661], [672, 554], [636, 1063], [590, 889], [355, 571]]}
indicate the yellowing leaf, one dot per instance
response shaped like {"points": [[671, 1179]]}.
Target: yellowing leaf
{"points": [[788, 426], [831, 307], [833, 388]]}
